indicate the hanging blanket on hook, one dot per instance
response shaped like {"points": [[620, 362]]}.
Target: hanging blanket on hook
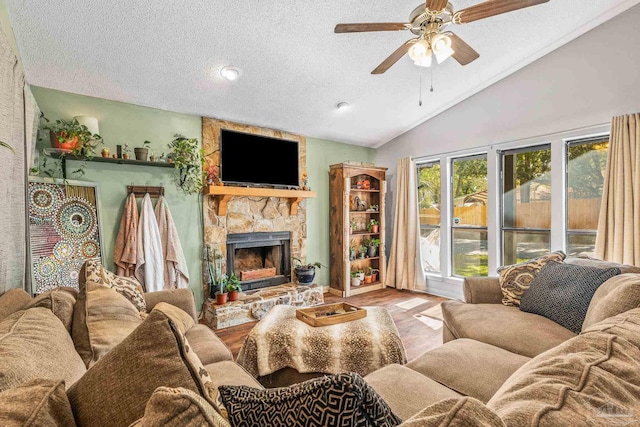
{"points": [[125, 251], [150, 264], [175, 264]]}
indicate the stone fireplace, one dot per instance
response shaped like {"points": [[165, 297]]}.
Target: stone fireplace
{"points": [[260, 259]]}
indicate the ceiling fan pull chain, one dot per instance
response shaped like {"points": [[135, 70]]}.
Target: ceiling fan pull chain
{"points": [[420, 98], [431, 90]]}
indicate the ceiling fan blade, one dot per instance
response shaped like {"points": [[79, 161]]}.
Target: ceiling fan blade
{"points": [[436, 5], [464, 53], [380, 26], [492, 8], [394, 57]]}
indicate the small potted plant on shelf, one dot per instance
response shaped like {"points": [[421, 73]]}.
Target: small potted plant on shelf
{"points": [[363, 251], [233, 287], [106, 152], [367, 276], [353, 226], [126, 152], [355, 280], [142, 152], [152, 157], [221, 295], [373, 247], [372, 225], [305, 273], [71, 135], [352, 250], [374, 274]]}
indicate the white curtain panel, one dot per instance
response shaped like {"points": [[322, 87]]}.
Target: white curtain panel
{"points": [[13, 171], [404, 270], [618, 237]]}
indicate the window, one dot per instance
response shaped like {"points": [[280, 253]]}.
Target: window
{"points": [[526, 203], [586, 161], [429, 214], [469, 223]]}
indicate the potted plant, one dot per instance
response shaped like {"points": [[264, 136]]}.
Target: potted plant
{"points": [[233, 287], [353, 226], [367, 275], [221, 294], [188, 160], [373, 247], [360, 275], [363, 251], [106, 152], [305, 273], [126, 151], [352, 250], [71, 135], [374, 274], [372, 225], [142, 152], [355, 280]]}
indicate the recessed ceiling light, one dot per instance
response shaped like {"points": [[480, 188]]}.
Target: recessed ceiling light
{"points": [[342, 105], [230, 73]]}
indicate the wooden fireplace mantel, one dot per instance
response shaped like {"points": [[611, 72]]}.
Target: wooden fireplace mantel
{"points": [[224, 193]]}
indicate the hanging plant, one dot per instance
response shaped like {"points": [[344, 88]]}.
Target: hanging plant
{"points": [[188, 158]]}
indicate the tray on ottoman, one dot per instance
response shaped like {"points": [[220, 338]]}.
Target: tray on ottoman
{"points": [[330, 314]]}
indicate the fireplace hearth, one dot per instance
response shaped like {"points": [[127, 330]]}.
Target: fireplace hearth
{"points": [[260, 259]]}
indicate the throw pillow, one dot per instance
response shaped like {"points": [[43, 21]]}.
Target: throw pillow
{"points": [[13, 300], [339, 399], [177, 407], [589, 380], [515, 279], [562, 292], [116, 389], [615, 296], [35, 344], [39, 402], [462, 412], [60, 301], [128, 287], [183, 320], [102, 319]]}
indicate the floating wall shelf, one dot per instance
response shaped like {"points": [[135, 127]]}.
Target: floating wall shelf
{"points": [[224, 193]]}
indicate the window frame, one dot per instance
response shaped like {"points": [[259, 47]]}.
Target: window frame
{"points": [[418, 165]]}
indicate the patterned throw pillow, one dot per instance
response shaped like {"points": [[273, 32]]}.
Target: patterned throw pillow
{"points": [[562, 292], [333, 400], [515, 279], [128, 287]]}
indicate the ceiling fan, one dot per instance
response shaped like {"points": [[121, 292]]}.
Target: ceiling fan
{"points": [[428, 22]]}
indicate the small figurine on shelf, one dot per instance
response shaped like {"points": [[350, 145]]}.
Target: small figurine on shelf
{"points": [[213, 177], [366, 184], [305, 181]]}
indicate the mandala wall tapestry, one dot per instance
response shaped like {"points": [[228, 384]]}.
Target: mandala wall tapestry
{"points": [[64, 231]]}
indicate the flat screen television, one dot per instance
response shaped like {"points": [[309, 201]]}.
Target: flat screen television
{"points": [[259, 160]]}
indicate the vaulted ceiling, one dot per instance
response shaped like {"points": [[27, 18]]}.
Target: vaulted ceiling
{"points": [[293, 68]]}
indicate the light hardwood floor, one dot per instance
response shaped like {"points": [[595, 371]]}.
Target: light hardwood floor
{"points": [[417, 316]]}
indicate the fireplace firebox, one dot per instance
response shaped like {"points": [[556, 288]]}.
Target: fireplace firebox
{"points": [[260, 259]]}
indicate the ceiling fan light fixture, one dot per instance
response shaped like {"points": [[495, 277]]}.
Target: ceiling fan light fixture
{"points": [[230, 73], [426, 60], [441, 45], [419, 50]]}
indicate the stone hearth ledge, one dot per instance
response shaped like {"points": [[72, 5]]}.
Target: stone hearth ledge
{"points": [[254, 305]]}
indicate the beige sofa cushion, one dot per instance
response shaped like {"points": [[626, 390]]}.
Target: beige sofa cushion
{"points": [[13, 300], [584, 381], [182, 320], [35, 344], [102, 319], [615, 296], [207, 345], [128, 287], [506, 327], [37, 403], [406, 391], [179, 407], [60, 301], [515, 279], [116, 389], [462, 412], [625, 325], [471, 368], [594, 262]]}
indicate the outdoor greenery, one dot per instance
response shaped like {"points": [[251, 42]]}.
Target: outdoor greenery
{"points": [[586, 165]]}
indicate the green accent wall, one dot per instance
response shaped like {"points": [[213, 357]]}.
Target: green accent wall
{"points": [[320, 155], [126, 123]]}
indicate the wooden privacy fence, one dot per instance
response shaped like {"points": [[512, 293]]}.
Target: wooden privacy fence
{"points": [[583, 214]]}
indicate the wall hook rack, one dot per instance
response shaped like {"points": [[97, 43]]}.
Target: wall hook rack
{"points": [[141, 190]]}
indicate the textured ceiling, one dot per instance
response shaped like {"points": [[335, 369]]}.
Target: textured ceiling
{"points": [[294, 69]]}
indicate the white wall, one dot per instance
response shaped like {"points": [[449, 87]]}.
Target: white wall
{"points": [[580, 85]]}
